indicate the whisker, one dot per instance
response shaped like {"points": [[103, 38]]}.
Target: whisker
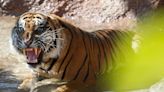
{"points": [[59, 39], [59, 29], [46, 40], [43, 46]]}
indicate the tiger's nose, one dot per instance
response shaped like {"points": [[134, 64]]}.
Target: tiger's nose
{"points": [[27, 43], [27, 38]]}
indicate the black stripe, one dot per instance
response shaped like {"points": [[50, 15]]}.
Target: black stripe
{"points": [[80, 68], [90, 37], [113, 38], [109, 44], [86, 56], [99, 45], [116, 40], [87, 73], [64, 73], [108, 39], [55, 42], [119, 36], [66, 52], [103, 51], [99, 55], [52, 63], [114, 46]]}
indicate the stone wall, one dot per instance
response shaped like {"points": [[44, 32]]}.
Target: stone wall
{"points": [[99, 11]]}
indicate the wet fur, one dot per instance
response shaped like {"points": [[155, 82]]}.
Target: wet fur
{"points": [[81, 56]]}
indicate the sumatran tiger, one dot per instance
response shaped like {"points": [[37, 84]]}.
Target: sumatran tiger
{"points": [[58, 49]]}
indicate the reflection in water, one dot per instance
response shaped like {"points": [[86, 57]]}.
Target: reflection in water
{"points": [[8, 83]]}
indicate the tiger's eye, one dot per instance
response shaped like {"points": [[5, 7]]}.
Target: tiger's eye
{"points": [[25, 17], [39, 17]]}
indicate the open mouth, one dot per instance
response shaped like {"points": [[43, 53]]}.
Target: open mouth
{"points": [[32, 55]]}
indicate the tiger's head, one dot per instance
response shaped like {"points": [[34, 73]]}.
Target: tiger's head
{"points": [[35, 37]]}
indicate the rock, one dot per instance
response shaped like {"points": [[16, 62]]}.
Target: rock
{"points": [[157, 87], [15, 7], [97, 11]]}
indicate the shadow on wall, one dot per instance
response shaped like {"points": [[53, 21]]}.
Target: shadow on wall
{"points": [[14, 8], [7, 82], [139, 7], [11, 7], [161, 4]]}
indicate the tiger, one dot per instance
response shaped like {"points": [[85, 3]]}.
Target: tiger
{"points": [[56, 48]]}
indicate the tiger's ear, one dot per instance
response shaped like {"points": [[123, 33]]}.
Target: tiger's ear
{"points": [[60, 22], [53, 21], [17, 26], [15, 35], [14, 31]]}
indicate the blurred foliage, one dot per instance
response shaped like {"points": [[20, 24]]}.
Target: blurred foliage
{"points": [[146, 66]]}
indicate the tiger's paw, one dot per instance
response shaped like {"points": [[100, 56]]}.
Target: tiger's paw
{"points": [[25, 85], [62, 88]]}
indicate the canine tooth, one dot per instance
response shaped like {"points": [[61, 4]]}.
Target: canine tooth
{"points": [[39, 50], [29, 49], [35, 49], [24, 51]]}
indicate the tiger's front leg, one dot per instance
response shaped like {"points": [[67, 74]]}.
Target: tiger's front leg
{"points": [[28, 82]]}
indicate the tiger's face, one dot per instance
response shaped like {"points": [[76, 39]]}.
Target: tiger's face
{"points": [[36, 38]]}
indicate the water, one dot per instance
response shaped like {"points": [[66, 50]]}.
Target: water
{"points": [[8, 83]]}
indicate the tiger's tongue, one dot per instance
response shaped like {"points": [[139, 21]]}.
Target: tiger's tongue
{"points": [[31, 56]]}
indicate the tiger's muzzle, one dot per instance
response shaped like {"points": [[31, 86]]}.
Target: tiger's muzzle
{"points": [[32, 55]]}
